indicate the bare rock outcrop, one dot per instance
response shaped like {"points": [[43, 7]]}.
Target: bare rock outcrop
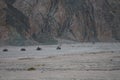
{"points": [[79, 20]]}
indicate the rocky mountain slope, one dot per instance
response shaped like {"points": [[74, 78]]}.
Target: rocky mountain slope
{"points": [[43, 21]]}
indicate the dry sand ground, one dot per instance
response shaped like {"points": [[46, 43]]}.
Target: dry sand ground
{"points": [[74, 62]]}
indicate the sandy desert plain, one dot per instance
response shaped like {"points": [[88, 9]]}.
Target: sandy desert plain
{"points": [[83, 61]]}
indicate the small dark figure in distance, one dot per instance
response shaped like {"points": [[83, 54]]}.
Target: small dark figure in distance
{"points": [[58, 48], [38, 49], [5, 50], [23, 49]]}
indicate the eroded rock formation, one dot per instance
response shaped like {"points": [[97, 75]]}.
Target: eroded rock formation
{"points": [[43, 21]]}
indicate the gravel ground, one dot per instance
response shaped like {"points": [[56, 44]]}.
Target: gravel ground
{"points": [[86, 61]]}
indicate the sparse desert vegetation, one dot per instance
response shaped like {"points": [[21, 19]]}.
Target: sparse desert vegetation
{"points": [[5, 50], [22, 49], [31, 69], [81, 62]]}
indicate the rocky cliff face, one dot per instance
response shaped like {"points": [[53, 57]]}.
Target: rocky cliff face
{"points": [[3, 29], [43, 21]]}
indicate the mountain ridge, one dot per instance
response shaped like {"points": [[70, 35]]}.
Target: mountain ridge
{"points": [[42, 21]]}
